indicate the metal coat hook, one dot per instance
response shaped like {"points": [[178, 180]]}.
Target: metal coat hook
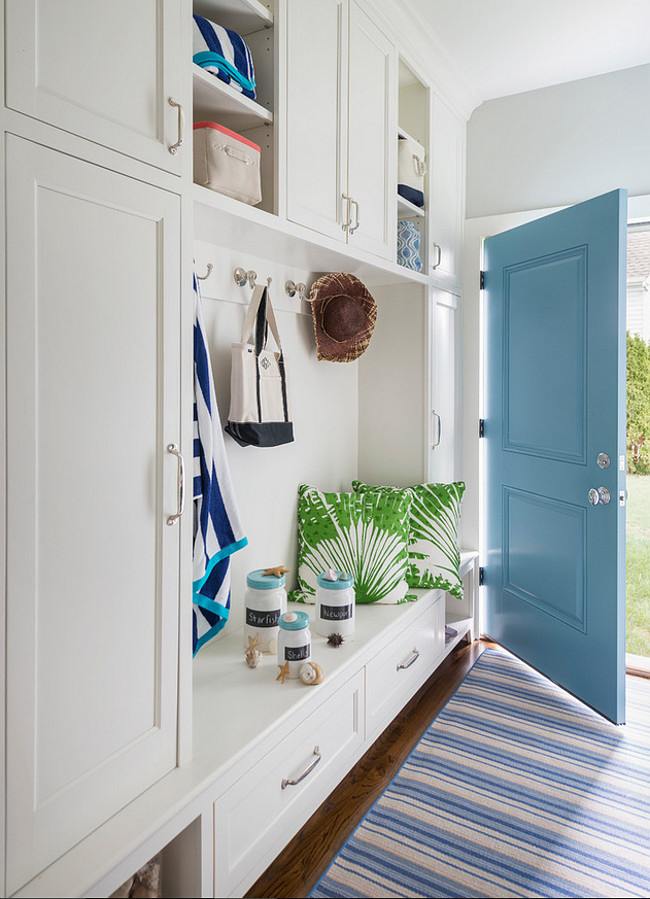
{"points": [[300, 288], [207, 274], [242, 276]]}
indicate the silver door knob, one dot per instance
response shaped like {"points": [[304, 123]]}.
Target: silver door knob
{"points": [[600, 495]]}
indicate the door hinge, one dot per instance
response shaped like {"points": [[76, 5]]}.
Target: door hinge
{"points": [[482, 281], [481, 576], [481, 427]]}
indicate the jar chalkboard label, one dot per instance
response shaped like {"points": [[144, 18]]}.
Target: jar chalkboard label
{"points": [[296, 653], [256, 618], [335, 613]]}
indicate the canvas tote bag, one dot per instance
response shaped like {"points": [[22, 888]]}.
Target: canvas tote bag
{"points": [[259, 402]]}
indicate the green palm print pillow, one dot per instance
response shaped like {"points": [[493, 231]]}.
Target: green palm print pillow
{"points": [[365, 534], [434, 557]]}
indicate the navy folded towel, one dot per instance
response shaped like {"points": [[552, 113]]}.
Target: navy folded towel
{"points": [[411, 194]]}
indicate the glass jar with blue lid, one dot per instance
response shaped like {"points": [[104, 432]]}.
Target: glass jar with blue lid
{"points": [[265, 600], [294, 641], [335, 603]]}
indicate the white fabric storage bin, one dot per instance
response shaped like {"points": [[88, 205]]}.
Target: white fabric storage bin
{"points": [[411, 163], [227, 162]]}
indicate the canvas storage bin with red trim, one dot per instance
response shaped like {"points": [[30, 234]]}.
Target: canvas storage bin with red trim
{"points": [[227, 162]]}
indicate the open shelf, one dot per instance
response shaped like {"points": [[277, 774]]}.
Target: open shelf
{"points": [[215, 101], [463, 626], [242, 16], [407, 210]]}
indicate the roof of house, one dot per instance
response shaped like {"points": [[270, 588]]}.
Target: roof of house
{"points": [[638, 254]]}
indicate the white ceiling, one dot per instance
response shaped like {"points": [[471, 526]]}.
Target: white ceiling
{"points": [[503, 47]]}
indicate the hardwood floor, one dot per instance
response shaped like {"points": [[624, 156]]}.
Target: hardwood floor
{"points": [[295, 871]]}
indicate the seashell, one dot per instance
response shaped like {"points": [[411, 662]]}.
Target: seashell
{"points": [[331, 575], [311, 673], [253, 657]]}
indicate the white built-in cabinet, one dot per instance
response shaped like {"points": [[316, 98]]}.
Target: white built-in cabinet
{"points": [[99, 101], [341, 121], [93, 568], [93, 241], [103, 71]]}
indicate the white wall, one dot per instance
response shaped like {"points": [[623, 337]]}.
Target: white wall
{"points": [[529, 154], [560, 145], [324, 405]]}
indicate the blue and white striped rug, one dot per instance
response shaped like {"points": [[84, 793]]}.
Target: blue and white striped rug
{"points": [[516, 789]]}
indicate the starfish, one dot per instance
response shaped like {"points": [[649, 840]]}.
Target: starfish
{"points": [[253, 642], [278, 571], [284, 671]]}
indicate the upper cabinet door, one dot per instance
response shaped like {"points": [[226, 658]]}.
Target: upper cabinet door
{"points": [[316, 115], [93, 381], [447, 203], [341, 125], [103, 71], [372, 126]]}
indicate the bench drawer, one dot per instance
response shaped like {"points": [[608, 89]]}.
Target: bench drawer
{"points": [[257, 816], [400, 669]]}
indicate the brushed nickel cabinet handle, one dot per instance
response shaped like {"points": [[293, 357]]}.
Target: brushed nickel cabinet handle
{"points": [[438, 254], [291, 782], [356, 215], [439, 429], [173, 449], [181, 126], [415, 655]]}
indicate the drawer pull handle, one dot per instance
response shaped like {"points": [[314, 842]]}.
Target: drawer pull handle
{"points": [[310, 767], [415, 655]]}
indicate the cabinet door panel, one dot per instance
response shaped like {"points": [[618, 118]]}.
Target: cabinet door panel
{"points": [[372, 124], [316, 127], [103, 71], [92, 574], [447, 194], [444, 389]]}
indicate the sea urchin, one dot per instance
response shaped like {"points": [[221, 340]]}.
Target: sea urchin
{"points": [[334, 640]]}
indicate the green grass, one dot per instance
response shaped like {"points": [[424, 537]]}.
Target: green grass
{"points": [[637, 567]]}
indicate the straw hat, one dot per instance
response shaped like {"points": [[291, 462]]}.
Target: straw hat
{"points": [[344, 315]]}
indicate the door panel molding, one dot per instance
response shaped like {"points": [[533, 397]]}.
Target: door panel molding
{"points": [[532, 522]]}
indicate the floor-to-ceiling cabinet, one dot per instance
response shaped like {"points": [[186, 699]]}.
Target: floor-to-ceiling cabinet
{"points": [[93, 374], [93, 143]]}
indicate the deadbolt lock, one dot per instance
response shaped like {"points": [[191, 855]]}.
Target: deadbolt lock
{"points": [[603, 460]]}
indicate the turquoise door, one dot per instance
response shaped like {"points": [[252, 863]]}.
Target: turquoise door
{"points": [[554, 447]]}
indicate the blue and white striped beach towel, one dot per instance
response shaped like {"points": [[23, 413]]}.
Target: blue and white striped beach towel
{"points": [[225, 54], [218, 531]]}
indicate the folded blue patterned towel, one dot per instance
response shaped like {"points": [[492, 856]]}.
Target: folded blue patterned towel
{"points": [[225, 54], [408, 245]]}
